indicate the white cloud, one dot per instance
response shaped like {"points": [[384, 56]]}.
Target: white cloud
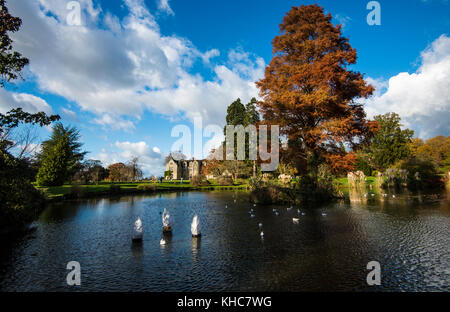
{"points": [[114, 122], [71, 115], [150, 159], [120, 68], [344, 20], [422, 98], [163, 5], [28, 102]]}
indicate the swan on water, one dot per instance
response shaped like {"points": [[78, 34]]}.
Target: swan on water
{"points": [[138, 231], [167, 224], [162, 242], [195, 227]]}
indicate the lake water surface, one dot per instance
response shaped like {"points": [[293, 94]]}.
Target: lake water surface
{"points": [[407, 235]]}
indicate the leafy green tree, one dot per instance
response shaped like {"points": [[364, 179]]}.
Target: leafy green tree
{"points": [[20, 201], [53, 171], [11, 62], [390, 144], [60, 156]]}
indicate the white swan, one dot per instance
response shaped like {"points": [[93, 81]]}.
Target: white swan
{"points": [[167, 224], [195, 227], [138, 231], [162, 242]]}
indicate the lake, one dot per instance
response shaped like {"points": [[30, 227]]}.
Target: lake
{"points": [[327, 250]]}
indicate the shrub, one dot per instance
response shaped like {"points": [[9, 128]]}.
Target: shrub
{"points": [[114, 189], [270, 193], [77, 191], [224, 181], [198, 180], [20, 202], [147, 187], [421, 173], [255, 183], [321, 189], [364, 166], [396, 177]]}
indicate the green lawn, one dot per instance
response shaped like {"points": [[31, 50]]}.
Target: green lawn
{"points": [[104, 187]]}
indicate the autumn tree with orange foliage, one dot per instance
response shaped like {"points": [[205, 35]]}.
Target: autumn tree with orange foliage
{"points": [[310, 93]]}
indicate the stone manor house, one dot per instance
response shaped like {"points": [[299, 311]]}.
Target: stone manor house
{"points": [[184, 169]]}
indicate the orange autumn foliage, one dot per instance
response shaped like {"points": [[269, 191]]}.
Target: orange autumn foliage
{"points": [[342, 164], [310, 93]]}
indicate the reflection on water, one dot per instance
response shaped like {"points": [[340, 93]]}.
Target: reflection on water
{"points": [[407, 234]]}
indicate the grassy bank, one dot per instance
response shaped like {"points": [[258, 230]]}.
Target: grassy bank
{"points": [[68, 191]]}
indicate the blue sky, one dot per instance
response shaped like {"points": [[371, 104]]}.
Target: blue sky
{"points": [[134, 69]]}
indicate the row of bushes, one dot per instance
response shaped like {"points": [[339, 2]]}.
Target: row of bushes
{"points": [[309, 188], [20, 202], [413, 173]]}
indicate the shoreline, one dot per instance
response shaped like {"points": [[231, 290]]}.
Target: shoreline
{"points": [[92, 191]]}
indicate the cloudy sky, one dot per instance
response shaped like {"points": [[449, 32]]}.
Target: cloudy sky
{"points": [[131, 70]]}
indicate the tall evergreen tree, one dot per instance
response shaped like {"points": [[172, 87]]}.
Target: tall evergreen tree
{"points": [[235, 113], [53, 170], [251, 113], [63, 140]]}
